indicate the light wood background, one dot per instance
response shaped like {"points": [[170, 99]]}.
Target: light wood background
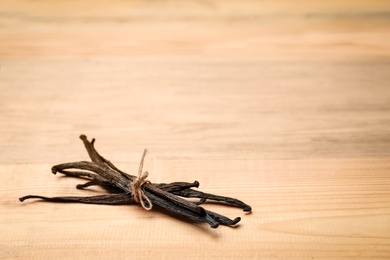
{"points": [[283, 104]]}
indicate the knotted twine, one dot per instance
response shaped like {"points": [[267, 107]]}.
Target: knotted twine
{"points": [[136, 186]]}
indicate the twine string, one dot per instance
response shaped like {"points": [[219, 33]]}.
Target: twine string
{"points": [[137, 183]]}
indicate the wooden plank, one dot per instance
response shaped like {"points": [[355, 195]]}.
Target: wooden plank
{"points": [[302, 209], [271, 110], [270, 30]]}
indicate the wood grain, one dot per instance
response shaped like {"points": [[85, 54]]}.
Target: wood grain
{"points": [[265, 30], [283, 104], [303, 209]]}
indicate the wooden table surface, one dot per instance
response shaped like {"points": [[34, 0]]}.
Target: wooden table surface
{"points": [[283, 104]]}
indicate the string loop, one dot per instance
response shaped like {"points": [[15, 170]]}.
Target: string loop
{"points": [[137, 183]]}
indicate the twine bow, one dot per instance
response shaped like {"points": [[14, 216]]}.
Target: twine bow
{"points": [[136, 186]]}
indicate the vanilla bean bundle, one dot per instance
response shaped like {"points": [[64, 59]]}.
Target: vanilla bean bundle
{"points": [[130, 189]]}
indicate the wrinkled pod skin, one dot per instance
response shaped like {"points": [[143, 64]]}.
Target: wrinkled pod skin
{"points": [[170, 196]]}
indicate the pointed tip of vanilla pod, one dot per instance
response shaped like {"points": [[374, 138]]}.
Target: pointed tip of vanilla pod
{"points": [[214, 225], [27, 197], [235, 221], [54, 170], [247, 209]]}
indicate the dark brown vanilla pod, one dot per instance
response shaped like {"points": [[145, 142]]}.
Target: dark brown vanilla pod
{"points": [[129, 189]]}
